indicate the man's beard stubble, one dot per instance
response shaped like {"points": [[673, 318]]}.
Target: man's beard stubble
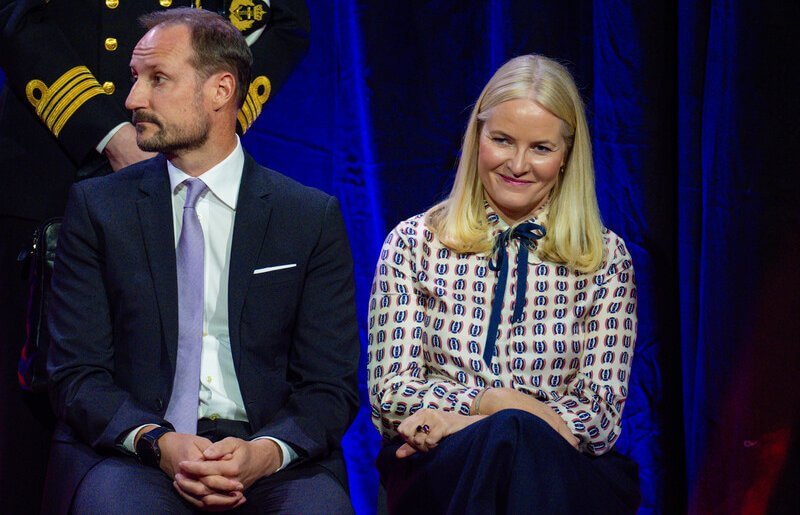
{"points": [[171, 139]]}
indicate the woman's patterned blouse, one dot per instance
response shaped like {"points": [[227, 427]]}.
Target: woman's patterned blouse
{"points": [[428, 316]]}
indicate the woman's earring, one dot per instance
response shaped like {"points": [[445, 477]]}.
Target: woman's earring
{"points": [[561, 170]]}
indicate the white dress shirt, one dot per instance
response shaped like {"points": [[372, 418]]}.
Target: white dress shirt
{"points": [[220, 396]]}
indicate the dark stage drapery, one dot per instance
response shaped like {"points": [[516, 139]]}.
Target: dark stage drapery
{"points": [[693, 112]]}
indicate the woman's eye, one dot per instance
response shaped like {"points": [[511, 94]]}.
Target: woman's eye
{"points": [[542, 148], [500, 140]]}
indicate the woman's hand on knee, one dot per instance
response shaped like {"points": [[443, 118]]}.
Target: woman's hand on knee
{"points": [[423, 430]]}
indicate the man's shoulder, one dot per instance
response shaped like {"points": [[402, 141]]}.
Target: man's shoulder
{"points": [[128, 177], [287, 189], [113, 196]]}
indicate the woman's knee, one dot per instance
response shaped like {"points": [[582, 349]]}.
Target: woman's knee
{"points": [[519, 423]]}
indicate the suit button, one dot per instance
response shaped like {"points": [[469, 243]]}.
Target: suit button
{"points": [[112, 4], [111, 44], [165, 3], [159, 404], [109, 87]]}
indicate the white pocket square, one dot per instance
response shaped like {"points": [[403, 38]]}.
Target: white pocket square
{"points": [[273, 268]]}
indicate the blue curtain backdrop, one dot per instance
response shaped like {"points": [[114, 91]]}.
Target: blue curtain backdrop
{"points": [[693, 110]]}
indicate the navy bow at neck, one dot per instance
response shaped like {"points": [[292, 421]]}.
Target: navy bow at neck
{"points": [[527, 233]]}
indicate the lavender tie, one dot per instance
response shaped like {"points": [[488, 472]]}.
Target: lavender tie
{"points": [[182, 408]]}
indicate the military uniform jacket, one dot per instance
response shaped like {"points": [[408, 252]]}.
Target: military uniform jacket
{"points": [[67, 76]]}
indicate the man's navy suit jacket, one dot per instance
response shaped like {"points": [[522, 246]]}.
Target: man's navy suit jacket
{"points": [[114, 316]]}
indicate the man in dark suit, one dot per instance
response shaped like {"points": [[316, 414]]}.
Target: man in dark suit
{"points": [[199, 282], [62, 118]]}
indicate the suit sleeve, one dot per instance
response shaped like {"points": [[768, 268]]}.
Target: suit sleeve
{"points": [[276, 53], [81, 355], [323, 361], [43, 69]]}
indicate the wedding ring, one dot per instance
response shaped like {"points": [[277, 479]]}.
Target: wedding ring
{"points": [[424, 429]]}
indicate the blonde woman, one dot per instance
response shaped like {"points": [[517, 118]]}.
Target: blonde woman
{"points": [[503, 321]]}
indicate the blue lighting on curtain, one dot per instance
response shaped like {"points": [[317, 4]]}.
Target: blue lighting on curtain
{"points": [[693, 111]]}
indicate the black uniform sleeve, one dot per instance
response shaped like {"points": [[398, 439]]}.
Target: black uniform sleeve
{"points": [[276, 52], [42, 66]]}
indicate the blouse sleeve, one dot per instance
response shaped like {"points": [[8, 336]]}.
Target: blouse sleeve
{"points": [[401, 379], [596, 394]]}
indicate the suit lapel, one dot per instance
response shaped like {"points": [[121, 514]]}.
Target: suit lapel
{"points": [[155, 216], [253, 210]]}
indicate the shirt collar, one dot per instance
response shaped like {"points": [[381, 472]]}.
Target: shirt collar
{"points": [[223, 179], [495, 222], [498, 225]]}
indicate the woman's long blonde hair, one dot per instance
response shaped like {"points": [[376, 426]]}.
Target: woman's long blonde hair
{"points": [[574, 230]]}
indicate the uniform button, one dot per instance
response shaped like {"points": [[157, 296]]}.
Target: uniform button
{"points": [[109, 87], [214, 416], [111, 44], [112, 4], [165, 3], [209, 379]]}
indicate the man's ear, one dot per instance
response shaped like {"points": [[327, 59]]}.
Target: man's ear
{"points": [[224, 89]]}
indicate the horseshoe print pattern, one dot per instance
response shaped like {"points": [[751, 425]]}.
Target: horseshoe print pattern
{"points": [[428, 315]]}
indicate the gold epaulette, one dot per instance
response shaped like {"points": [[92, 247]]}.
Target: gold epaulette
{"points": [[56, 105], [257, 96]]}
